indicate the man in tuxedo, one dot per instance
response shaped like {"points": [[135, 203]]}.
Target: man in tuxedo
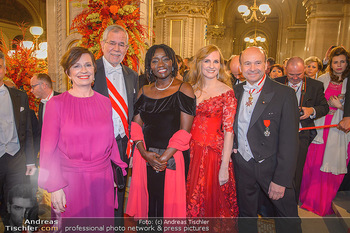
{"points": [[312, 105], [120, 84], [265, 145], [236, 71], [41, 87], [16, 138]]}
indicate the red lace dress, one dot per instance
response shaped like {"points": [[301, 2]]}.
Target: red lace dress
{"points": [[205, 196]]}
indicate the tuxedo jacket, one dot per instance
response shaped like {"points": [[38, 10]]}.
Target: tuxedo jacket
{"points": [[277, 106], [22, 117], [313, 97], [131, 85], [347, 100], [40, 113]]}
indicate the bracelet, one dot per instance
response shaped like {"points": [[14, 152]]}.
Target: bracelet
{"points": [[138, 143]]}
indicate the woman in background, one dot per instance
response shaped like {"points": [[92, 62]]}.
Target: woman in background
{"points": [[313, 65], [211, 189], [327, 156], [78, 144], [276, 71]]}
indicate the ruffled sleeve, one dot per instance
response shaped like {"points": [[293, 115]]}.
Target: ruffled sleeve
{"points": [[229, 110], [187, 104]]}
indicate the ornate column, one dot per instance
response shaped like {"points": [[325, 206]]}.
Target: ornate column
{"points": [[327, 24], [60, 38], [181, 24]]}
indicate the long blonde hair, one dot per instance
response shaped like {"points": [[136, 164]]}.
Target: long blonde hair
{"points": [[195, 74]]}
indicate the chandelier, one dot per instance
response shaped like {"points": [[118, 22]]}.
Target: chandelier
{"points": [[251, 15]]}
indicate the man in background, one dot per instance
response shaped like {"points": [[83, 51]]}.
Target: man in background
{"points": [[16, 138]]}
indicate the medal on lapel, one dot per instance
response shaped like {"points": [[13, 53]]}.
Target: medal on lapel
{"points": [[267, 129]]}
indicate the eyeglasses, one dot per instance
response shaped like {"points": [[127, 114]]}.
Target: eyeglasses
{"points": [[33, 86], [120, 44]]}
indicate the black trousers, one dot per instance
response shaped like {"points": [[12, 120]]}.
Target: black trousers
{"points": [[119, 213], [304, 143], [251, 179], [12, 173]]}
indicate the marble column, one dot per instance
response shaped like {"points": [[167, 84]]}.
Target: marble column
{"points": [[328, 24], [181, 24]]}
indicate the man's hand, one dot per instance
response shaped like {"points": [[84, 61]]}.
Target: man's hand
{"points": [[276, 191], [31, 170], [307, 113], [344, 124]]}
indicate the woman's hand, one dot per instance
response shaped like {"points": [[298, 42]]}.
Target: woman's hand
{"points": [[58, 200], [153, 159], [334, 102], [223, 175]]}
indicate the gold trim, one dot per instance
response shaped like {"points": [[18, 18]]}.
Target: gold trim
{"points": [[67, 18], [181, 33], [149, 20]]}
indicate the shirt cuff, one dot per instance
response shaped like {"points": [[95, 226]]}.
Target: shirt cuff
{"points": [[313, 115]]}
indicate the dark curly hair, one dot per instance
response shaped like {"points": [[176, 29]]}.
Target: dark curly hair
{"points": [[149, 55]]}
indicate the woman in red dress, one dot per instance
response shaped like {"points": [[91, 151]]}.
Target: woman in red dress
{"points": [[211, 188]]}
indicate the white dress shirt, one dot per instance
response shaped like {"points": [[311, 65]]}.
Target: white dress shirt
{"points": [[115, 76]]}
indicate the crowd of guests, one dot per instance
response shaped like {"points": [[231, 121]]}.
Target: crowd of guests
{"points": [[207, 139]]}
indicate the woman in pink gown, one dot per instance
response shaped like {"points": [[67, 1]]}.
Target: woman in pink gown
{"points": [[211, 189], [326, 163], [78, 144]]}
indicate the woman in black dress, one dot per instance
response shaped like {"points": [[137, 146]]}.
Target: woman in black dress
{"points": [[165, 110]]}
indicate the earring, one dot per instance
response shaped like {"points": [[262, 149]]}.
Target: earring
{"points": [[173, 69], [217, 77]]}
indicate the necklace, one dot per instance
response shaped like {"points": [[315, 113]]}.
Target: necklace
{"points": [[162, 89]]}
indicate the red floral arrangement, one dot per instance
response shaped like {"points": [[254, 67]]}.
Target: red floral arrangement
{"points": [[21, 64], [99, 14]]}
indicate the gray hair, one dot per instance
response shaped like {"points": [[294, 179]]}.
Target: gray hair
{"points": [[2, 56], [114, 28]]}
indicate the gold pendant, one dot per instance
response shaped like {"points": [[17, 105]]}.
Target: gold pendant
{"points": [[250, 101]]}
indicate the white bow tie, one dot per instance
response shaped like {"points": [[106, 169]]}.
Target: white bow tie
{"points": [[117, 69], [249, 87]]}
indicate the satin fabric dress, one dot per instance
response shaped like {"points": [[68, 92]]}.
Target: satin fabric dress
{"points": [[161, 118], [77, 146], [319, 188], [205, 196]]}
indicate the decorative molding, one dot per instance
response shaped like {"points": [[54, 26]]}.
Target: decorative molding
{"points": [[59, 37], [199, 8], [216, 31]]}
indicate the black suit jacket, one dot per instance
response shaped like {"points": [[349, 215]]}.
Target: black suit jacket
{"points": [[347, 100], [131, 85], [40, 112], [23, 124], [278, 104], [313, 97]]}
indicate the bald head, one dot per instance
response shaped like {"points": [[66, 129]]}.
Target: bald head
{"points": [[253, 64], [234, 66], [295, 70]]}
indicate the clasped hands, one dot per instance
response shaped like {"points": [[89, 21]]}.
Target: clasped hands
{"points": [[157, 161]]}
